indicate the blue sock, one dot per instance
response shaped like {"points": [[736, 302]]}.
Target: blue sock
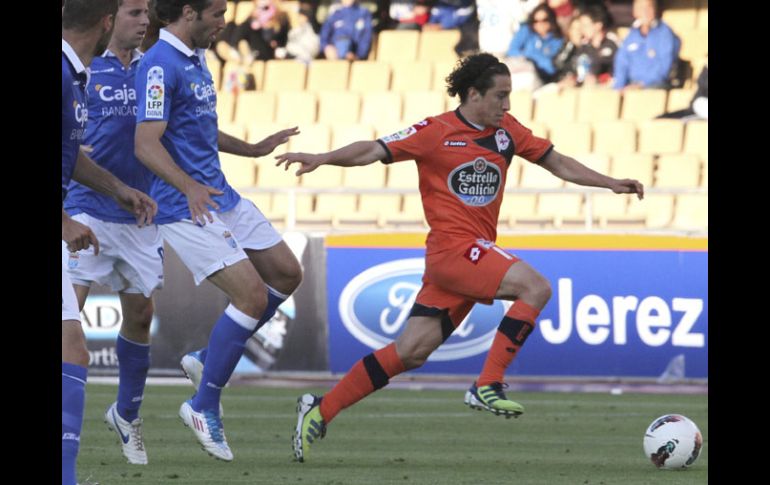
{"points": [[226, 344], [133, 365], [274, 300], [73, 399]]}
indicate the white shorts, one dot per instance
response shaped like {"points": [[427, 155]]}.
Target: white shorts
{"points": [[207, 249], [69, 302], [130, 258]]}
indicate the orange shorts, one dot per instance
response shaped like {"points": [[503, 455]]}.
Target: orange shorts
{"points": [[463, 274]]}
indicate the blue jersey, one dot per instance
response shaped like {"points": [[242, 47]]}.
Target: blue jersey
{"points": [[110, 131], [74, 79], [174, 85]]}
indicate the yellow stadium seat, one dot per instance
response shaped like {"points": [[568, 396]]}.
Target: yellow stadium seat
{"points": [[370, 176], [411, 215], [680, 170], [703, 18], [397, 45], [656, 209], [438, 45], [225, 107], [347, 133], [598, 104], [297, 108], [680, 19], [255, 107], [704, 180], [326, 75], [517, 206], [263, 200], [330, 204], [368, 76], [535, 176], [411, 75], [553, 107], [238, 130], [513, 174], [696, 138], [243, 12], [379, 107], [230, 12], [571, 138], [282, 206], [451, 102], [215, 68], [256, 132], [610, 211], [270, 176], [284, 76], [378, 207], [692, 212], [257, 69], [521, 106], [418, 105], [538, 129], [679, 99], [633, 166], [614, 137], [643, 104], [402, 175], [441, 70], [312, 138], [595, 161], [695, 44], [660, 136], [338, 107], [563, 208], [239, 171]]}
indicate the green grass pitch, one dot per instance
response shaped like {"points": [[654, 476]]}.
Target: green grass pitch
{"points": [[397, 436]]}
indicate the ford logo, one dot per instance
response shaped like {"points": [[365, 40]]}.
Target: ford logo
{"points": [[374, 307]]}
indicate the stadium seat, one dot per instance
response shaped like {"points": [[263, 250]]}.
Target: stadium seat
{"points": [[441, 70], [660, 136], [702, 22], [257, 69], [704, 179], [681, 17], [643, 104], [513, 174], [402, 175], [255, 107], [313, 138], [281, 207], [411, 215], [521, 106], [326, 75], [691, 212], [283, 75], [239, 171], [517, 205], [338, 107], [633, 166], [696, 138], [377, 207], [656, 209], [237, 130], [679, 99], [258, 131], [680, 170], [538, 129], [535, 176], [598, 104], [695, 44], [270, 176], [610, 211], [263, 200], [380, 107], [438, 45], [420, 104], [215, 68], [411, 76], [225, 106], [230, 12], [347, 133], [570, 138], [397, 45], [296, 107], [368, 76], [563, 208], [242, 11], [370, 176], [595, 161], [614, 137], [553, 107]]}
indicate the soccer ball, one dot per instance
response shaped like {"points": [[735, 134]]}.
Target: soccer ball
{"points": [[672, 442]]}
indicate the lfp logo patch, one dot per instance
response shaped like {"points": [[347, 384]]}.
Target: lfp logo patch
{"points": [[155, 91], [374, 307]]}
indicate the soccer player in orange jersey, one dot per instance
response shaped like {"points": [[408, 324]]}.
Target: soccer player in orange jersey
{"points": [[462, 158]]}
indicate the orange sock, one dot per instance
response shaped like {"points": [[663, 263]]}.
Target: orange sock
{"points": [[513, 331], [366, 376]]}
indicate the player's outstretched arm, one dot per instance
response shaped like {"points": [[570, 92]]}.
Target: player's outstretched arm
{"points": [[88, 173], [231, 144], [569, 169], [353, 155]]}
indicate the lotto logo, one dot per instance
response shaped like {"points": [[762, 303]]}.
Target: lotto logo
{"points": [[475, 253]]}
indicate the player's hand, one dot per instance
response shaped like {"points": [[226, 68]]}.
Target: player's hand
{"points": [[308, 161], [266, 146], [78, 236], [138, 203], [199, 200], [628, 186]]}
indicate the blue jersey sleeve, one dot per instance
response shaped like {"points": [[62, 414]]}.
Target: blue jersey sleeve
{"points": [[155, 87]]}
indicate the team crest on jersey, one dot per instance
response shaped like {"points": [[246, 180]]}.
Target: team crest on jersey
{"points": [[407, 132], [73, 260], [502, 140], [155, 91], [476, 183], [230, 239]]}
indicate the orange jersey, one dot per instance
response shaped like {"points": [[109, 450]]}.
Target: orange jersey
{"points": [[462, 171]]}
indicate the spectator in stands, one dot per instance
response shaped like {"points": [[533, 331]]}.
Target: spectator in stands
{"points": [[311, 6], [264, 32], [304, 44], [532, 50], [408, 14], [595, 56], [499, 20], [564, 10], [648, 53], [450, 14], [347, 33], [699, 106], [565, 60]]}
